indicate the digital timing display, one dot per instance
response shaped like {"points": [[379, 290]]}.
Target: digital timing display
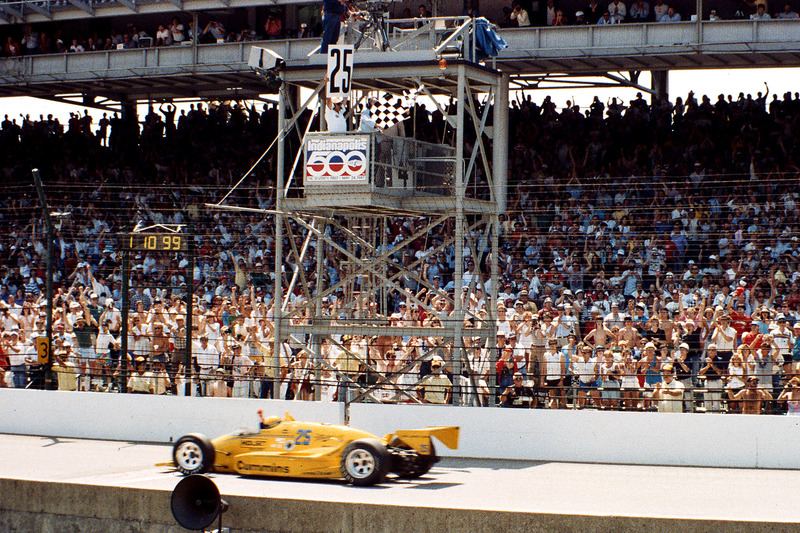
{"points": [[160, 242]]}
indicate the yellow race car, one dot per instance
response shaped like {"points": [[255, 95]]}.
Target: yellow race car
{"points": [[288, 448]]}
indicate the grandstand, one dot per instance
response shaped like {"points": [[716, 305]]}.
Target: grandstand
{"points": [[630, 230]]}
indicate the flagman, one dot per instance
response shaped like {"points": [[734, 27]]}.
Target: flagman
{"points": [[367, 124], [335, 115]]}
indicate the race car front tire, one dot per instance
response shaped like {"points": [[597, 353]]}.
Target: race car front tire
{"points": [[365, 462], [193, 454]]}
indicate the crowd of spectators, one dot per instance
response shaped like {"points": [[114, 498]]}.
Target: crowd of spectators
{"points": [[565, 13], [32, 39], [649, 259]]}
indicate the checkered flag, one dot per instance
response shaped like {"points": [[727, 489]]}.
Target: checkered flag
{"points": [[390, 110]]}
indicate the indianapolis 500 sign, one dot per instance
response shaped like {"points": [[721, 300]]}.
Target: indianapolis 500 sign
{"points": [[341, 158]]}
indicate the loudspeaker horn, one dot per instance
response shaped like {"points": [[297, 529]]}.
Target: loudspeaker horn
{"points": [[196, 502]]}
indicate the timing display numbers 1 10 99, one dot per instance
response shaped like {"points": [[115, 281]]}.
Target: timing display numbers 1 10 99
{"points": [[156, 242]]}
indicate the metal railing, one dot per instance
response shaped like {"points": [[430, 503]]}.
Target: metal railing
{"points": [[393, 383], [580, 42]]}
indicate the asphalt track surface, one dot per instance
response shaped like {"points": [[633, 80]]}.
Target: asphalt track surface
{"points": [[746, 495]]}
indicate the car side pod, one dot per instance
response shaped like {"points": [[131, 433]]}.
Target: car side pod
{"points": [[420, 439]]}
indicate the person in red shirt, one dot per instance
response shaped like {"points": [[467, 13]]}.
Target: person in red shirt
{"points": [[752, 338], [739, 321]]}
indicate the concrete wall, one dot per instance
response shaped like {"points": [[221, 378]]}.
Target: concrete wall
{"points": [[141, 417], [36, 507], [601, 436], [585, 436]]}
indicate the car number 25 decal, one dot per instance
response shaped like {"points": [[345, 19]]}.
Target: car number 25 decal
{"points": [[303, 437]]}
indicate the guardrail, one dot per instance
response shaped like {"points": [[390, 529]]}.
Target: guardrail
{"points": [[633, 40]]}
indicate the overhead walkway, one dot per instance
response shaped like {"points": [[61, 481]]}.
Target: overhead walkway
{"points": [[221, 71]]}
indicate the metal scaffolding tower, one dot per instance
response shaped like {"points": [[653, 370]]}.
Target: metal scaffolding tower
{"points": [[457, 187]]}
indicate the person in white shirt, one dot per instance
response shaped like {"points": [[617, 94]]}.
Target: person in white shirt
{"points": [[669, 392], [659, 10], [520, 15], [208, 360], [618, 11], [555, 371], [724, 336], [242, 372], [104, 344], [367, 122], [176, 31], [159, 379], [335, 115], [163, 36]]}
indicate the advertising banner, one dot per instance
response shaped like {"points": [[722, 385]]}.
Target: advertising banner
{"points": [[337, 158]]}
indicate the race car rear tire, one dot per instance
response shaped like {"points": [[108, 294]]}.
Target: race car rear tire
{"points": [[193, 454], [365, 462], [413, 465]]}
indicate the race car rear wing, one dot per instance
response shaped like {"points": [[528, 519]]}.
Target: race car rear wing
{"points": [[420, 439]]}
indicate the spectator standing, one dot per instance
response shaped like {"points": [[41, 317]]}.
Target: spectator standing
{"points": [[208, 360], [84, 334], [273, 27], [791, 396], [640, 11], [436, 387], [176, 31], [555, 372], [788, 13], [242, 371], [30, 40], [12, 48], [549, 13], [66, 371], [519, 16], [107, 350], [618, 11], [159, 379], [724, 337], [332, 11], [163, 36], [669, 392], [752, 397], [18, 360], [713, 372], [218, 385], [470, 10], [139, 382], [593, 12]]}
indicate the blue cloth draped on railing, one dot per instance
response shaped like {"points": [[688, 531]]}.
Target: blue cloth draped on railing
{"points": [[487, 42]]}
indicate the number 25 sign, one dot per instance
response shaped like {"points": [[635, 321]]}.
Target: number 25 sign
{"points": [[340, 70]]}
